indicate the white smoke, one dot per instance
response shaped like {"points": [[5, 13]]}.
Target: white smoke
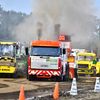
{"points": [[74, 16]]}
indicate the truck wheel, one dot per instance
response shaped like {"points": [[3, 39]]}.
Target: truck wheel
{"points": [[59, 79], [65, 77], [27, 73], [14, 74], [30, 77], [27, 76], [94, 74], [98, 75]]}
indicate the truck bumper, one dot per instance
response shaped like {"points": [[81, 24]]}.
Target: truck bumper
{"points": [[7, 69], [84, 71], [44, 73]]}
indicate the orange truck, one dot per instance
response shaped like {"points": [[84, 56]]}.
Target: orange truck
{"points": [[48, 59]]}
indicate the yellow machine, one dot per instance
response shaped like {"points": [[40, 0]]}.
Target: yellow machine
{"points": [[8, 63], [85, 64]]}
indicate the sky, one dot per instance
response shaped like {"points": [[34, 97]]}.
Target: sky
{"points": [[25, 6], [97, 4]]}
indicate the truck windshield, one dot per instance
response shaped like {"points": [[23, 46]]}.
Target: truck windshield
{"points": [[6, 50], [45, 51], [85, 58]]}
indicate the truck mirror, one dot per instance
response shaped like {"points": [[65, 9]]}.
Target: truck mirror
{"points": [[64, 51], [97, 59], [60, 51], [17, 47], [72, 51], [26, 50]]}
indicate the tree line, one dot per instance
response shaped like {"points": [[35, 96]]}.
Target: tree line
{"points": [[8, 20]]}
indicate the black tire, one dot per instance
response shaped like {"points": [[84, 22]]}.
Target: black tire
{"points": [[27, 73], [94, 73], [81, 75], [65, 77], [27, 70], [27, 76], [98, 75], [59, 79], [15, 74], [30, 77]]}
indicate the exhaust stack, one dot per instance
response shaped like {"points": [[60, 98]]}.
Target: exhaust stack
{"points": [[56, 30], [39, 30]]}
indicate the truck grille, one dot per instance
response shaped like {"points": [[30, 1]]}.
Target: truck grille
{"points": [[82, 65], [42, 65]]}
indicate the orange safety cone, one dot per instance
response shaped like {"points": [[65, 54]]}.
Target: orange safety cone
{"points": [[22, 96], [56, 92]]}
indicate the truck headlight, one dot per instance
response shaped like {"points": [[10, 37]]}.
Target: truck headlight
{"points": [[55, 73], [32, 72]]}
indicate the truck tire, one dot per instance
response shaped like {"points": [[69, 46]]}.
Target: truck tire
{"points": [[27, 76], [98, 75], [27, 73], [30, 77], [15, 74], [65, 77], [94, 72], [59, 79]]}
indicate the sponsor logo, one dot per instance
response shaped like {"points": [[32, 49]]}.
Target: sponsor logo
{"points": [[38, 60], [44, 65], [53, 63]]}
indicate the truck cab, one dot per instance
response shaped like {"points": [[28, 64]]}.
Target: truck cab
{"points": [[47, 60], [85, 63]]}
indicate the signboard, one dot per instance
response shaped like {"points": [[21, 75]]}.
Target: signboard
{"points": [[94, 62], [62, 38], [65, 38]]}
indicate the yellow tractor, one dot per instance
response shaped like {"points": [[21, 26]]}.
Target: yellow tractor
{"points": [[8, 64]]}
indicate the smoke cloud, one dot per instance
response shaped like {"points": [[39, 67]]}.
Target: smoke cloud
{"points": [[73, 16]]}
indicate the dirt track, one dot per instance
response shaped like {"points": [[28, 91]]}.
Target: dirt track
{"points": [[10, 88]]}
